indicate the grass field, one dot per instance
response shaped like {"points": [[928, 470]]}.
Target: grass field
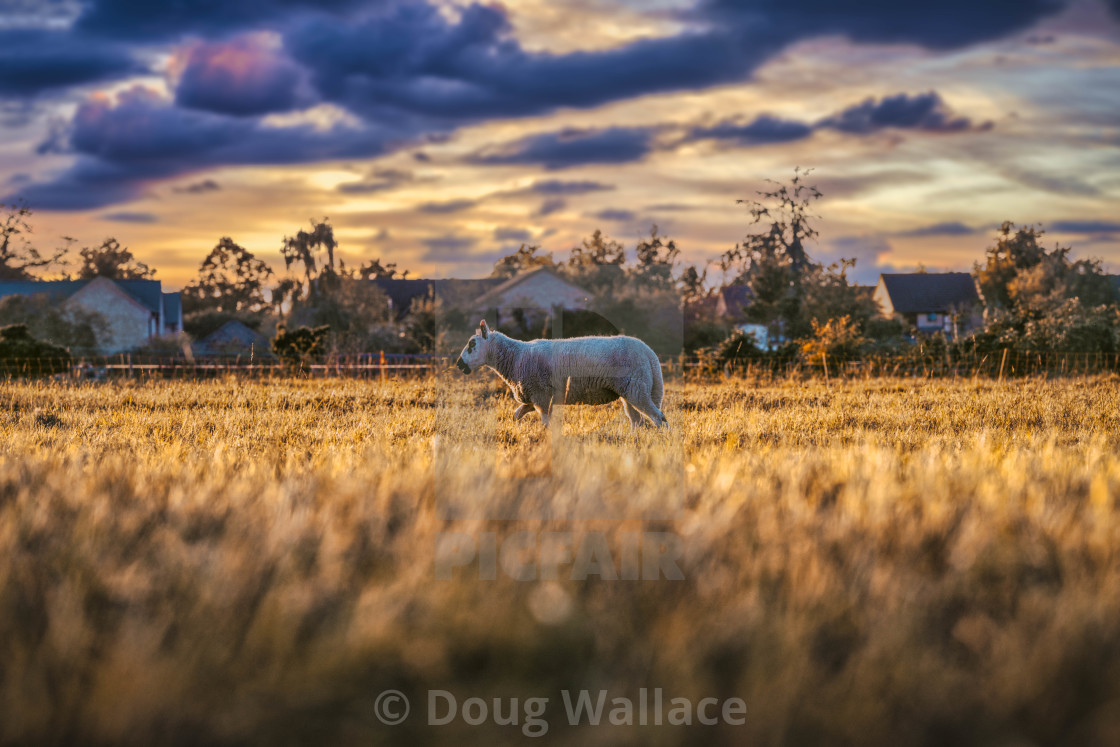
{"points": [[874, 562]]}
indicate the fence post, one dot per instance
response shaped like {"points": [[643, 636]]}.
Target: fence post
{"points": [[381, 367], [1002, 363]]}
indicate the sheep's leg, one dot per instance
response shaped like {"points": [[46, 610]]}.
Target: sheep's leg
{"points": [[643, 404], [544, 412], [635, 417], [521, 411]]}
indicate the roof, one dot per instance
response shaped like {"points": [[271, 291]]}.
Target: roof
{"points": [[235, 334], [452, 291], [54, 288], [172, 308], [926, 292], [520, 278], [145, 292], [736, 298]]}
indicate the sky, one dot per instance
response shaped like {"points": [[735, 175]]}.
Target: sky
{"points": [[441, 135]]}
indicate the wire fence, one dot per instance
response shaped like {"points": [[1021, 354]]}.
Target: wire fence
{"points": [[1006, 363]]}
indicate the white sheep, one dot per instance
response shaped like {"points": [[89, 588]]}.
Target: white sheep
{"points": [[575, 371]]}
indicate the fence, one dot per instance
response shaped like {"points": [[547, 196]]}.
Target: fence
{"points": [[1006, 363]]}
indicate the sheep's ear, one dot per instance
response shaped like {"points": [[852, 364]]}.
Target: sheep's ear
{"points": [[485, 330]]}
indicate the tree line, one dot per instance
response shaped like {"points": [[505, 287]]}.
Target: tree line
{"points": [[1033, 298]]}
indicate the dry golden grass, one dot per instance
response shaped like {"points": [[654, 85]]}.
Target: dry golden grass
{"points": [[876, 562]]}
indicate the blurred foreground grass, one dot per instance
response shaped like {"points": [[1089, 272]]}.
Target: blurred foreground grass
{"points": [[877, 562]]}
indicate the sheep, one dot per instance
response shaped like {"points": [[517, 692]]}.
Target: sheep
{"points": [[575, 371]]}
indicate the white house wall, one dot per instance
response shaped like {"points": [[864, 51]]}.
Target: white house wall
{"points": [[127, 323]]}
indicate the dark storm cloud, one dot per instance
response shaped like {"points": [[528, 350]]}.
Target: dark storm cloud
{"points": [[950, 228], [33, 61], [572, 147], [759, 131], [139, 136], [1085, 226], [926, 111], [239, 77], [148, 20], [946, 24], [412, 70], [413, 60]]}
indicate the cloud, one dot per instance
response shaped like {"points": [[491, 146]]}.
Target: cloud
{"points": [[558, 187], [1085, 226], [550, 206], [510, 233], [380, 180], [242, 76], [759, 131], [947, 24], [450, 206], [130, 217], [34, 61], [145, 20], [449, 247], [206, 185], [573, 147], [616, 214], [124, 142], [869, 252], [412, 59], [950, 228], [926, 111]]}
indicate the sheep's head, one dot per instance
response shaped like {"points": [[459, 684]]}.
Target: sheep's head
{"points": [[474, 354]]}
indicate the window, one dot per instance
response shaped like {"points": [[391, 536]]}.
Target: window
{"points": [[931, 317]]}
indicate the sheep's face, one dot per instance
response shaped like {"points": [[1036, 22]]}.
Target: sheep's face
{"points": [[474, 354]]}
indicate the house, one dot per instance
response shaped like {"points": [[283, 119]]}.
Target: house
{"points": [[496, 299], [732, 302], [234, 338], [134, 311], [404, 292], [930, 301], [540, 289]]}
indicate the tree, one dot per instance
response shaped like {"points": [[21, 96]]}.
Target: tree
{"points": [[829, 295], [229, 279], [374, 269], [303, 345], [773, 259], [1021, 277], [23, 355], [52, 322], [597, 251], [306, 247], [18, 258], [523, 260], [596, 263], [111, 260], [782, 217], [691, 284], [656, 258]]}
